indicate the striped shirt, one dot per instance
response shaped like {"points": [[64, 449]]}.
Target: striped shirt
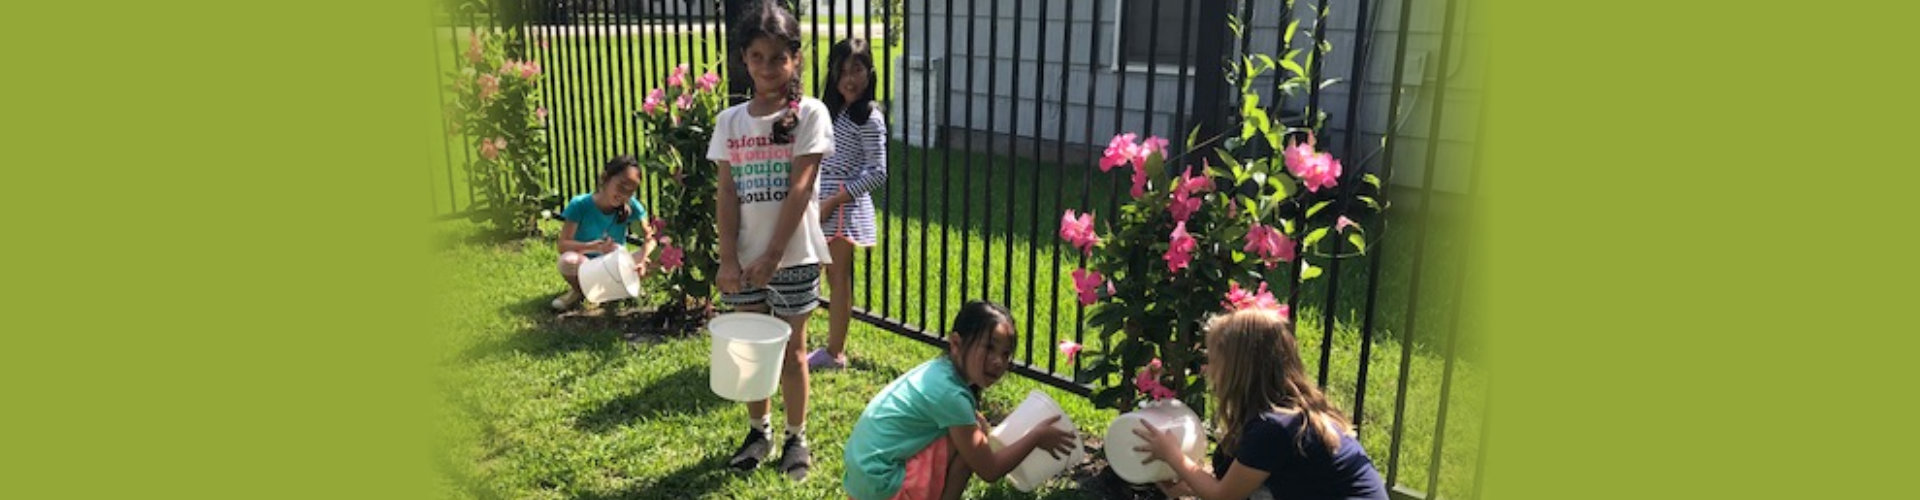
{"points": [[858, 166]]}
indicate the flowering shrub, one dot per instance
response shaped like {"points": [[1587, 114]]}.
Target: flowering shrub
{"points": [[496, 111], [679, 119], [1205, 239]]}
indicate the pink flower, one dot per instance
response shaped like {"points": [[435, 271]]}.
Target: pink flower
{"points": [[1120, 150], [1087, 283], [1139, 180], [489, 85], [1079, 231], [1152, 146], [1148, 381], [1342, 223], [708, 82], [490, 149], [659, 228], [679, 76], [540, 113], [1195, 184], [1270, 244], [1322, 170], [671, 257], [654, 99], [1295, 156], [1239, 298], [1183, 206], [1286, 312], [1180, 248], [529, 69], [1070, 348], [1145, 381], [475, 52], [685, 101]]}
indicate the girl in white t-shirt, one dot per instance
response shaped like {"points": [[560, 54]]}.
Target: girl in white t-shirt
{"points": [[771, 245]]}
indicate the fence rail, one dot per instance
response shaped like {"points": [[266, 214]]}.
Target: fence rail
{"points": [[1020, 95]]}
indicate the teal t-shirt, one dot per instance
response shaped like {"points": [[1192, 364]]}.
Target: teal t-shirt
{"points": [[903, 419], [592, 224]]}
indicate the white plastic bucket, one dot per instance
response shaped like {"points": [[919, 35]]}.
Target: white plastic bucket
{"points": [[1169, 416], [748, 350], [1039, 465], [609, 277]]}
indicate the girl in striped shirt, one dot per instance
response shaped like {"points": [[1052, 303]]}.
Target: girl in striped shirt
{"points": [[857, 166]]}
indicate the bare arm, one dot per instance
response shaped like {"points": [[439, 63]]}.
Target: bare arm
{"points": [[727, 211], [567, 244], [972, 443]]}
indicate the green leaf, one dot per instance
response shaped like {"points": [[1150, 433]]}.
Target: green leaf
{"points": [[1370, 179], [1308, 271], [1286, 226], [1375, 205], [1193, 137], [1317, 207], [1253, 208], [1228, 159], [1156, 167], [1247, 129], [1294, 67], [1274, 139], [1314, 237], [1287, 38], [1249, 101], [1106, 315], [1359, 242], [1329, 83], [1258, 117], [1265, 60], [1285, 186]]}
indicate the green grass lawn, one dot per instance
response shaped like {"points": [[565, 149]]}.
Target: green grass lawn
{"points": [[552, 407], [547, 407]]}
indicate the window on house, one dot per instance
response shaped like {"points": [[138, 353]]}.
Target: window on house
{"points": [[1154, 32]]}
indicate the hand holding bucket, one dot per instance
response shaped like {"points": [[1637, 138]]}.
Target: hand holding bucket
{"points": [[1036, 410], [610, 277], [1131, 436]]}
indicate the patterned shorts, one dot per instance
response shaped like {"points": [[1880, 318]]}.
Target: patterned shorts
{"points": [[794, 291]]}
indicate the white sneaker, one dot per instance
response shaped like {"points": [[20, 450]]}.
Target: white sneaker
{"points": [[566, 301]]}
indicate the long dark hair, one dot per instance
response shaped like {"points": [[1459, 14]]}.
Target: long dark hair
{"points": [[614, 168], [974, 323], [768, 19], [856, 50]]}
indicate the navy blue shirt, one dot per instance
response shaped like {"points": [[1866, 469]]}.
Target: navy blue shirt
{"points": [[1299, 466]]}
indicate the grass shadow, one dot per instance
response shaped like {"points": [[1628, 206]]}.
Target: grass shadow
{"points": [[684, 392], [606, 327], [696, 480]]}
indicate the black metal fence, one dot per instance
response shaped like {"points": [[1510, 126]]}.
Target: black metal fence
{"points": [[1023, 98]]}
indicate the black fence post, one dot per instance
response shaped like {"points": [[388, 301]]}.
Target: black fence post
{"points": [[1209, 73], [739, 85]]}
